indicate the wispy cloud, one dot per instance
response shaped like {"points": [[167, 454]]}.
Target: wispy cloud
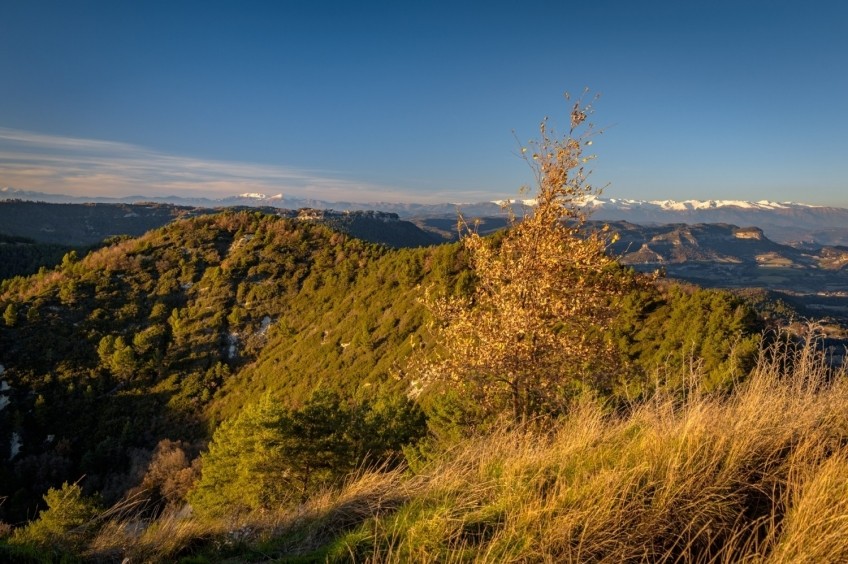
{"points": [[88, 167]]}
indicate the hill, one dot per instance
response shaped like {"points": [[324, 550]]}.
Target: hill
{"points": [[148, 338], [711, 255], [85, 224], [164, 336], [82, 224], [727, 256]]}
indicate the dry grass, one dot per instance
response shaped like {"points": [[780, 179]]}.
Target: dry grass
{"points": [[265, 535], [759, 475]]}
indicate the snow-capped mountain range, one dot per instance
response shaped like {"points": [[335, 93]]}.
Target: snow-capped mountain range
{"points": [[691, 205], [595, 202], [784, 222]]}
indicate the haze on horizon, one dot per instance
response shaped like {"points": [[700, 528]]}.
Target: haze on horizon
{"points": [[380, 101]]}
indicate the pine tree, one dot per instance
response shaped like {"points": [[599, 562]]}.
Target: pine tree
{"points": [[66, 523], [241, 470], [269, 456], [10, 315]]}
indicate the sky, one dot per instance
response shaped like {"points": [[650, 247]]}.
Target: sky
{"points": [[421, 101]]}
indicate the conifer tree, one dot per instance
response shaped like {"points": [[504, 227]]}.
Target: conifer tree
{"points": [[269, 455], [533, 332], [10, 315], [66, 523], [241, 470]]}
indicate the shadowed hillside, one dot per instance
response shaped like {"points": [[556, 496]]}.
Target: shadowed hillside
{"points": [[82, 224], [79, 225]]}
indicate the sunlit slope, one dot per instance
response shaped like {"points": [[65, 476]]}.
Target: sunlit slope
{"points": [[165, 335]]}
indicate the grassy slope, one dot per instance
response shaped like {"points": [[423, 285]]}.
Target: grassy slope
{"points": [[758, 475]]}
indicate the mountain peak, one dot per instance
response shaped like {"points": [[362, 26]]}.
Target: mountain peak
{"points": [[692, 205]]}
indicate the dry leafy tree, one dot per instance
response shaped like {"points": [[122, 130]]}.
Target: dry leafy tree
{"points": [[532, 334]]}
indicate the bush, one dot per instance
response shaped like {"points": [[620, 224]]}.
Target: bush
{"points": [[66, 524]]}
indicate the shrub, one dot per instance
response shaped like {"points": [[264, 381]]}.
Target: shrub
{"points": [[66, 524]]}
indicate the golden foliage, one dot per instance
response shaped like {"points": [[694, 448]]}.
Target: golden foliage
{"points": [[532, 334]]}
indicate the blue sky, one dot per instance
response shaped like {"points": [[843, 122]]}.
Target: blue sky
{"points": [[395, 101]]}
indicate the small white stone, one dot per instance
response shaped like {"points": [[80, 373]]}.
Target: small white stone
{"points": [[264, 325], [14, 446]]}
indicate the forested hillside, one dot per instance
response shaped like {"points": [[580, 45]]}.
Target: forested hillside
{"points": [[22, 256], [83, 224], [163, 336], [133, 343]]}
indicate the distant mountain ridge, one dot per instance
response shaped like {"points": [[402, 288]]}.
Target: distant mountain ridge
{"points": [[784, 222], [718, 255], [83, 224], [792, 223], [692, 205]]}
